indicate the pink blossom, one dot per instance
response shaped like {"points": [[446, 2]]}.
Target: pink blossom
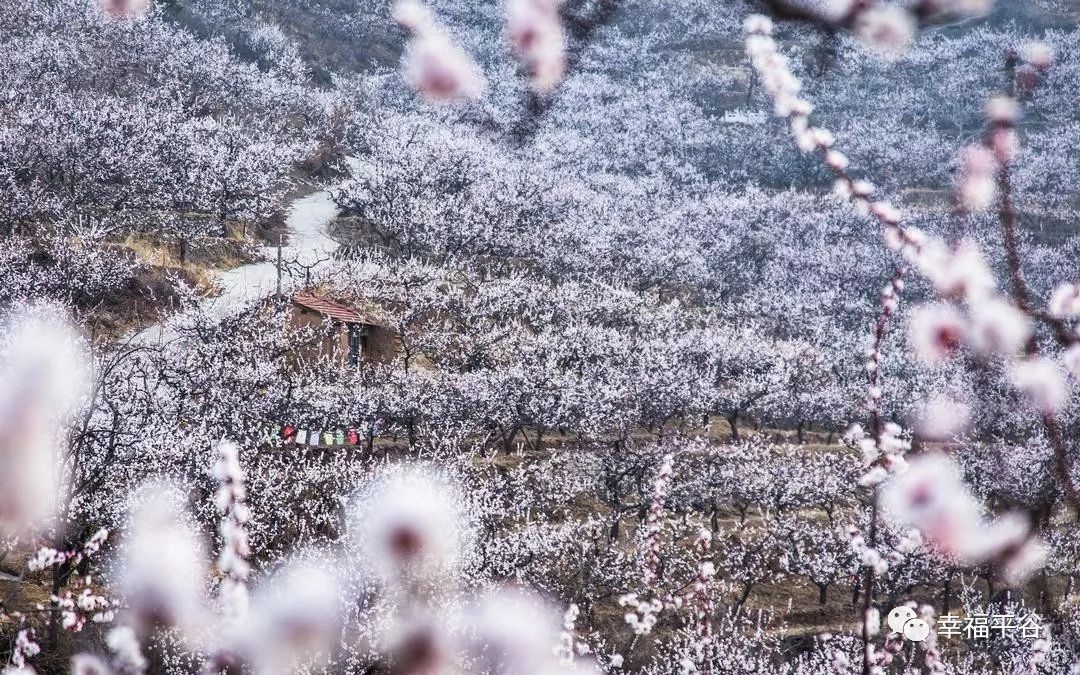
{"points": [[516, 631], [405, 526], [758, 24], [998, 327], [25, 647], [962, 273], [885, 212], [978, 187], [1004, 144], [123, 642], [1071, 360], [433, 64], [294, 617], [162, 570], [537, 34], [1038, 54], [872, 621], [44, 377], [1065, 301], [932, 497], [1040, 379], [943, 418], [654, 521], [123, 9], [836, 160], [886, 28], [413, 16], [937, 331], [1002, 110]]}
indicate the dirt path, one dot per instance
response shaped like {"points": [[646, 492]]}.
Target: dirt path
{"points": [[307, 219]]}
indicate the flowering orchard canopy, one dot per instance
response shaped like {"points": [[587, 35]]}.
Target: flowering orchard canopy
{"points": [[713, 337]]}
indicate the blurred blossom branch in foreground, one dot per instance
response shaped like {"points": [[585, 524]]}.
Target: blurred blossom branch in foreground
{"points": [[45, 376], [442, 72], [434, 65]]}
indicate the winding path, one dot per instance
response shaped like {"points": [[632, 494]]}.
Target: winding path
{"points": [[307, 220]]}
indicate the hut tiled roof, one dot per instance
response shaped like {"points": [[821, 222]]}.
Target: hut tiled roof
{"points": [[334, 310]]}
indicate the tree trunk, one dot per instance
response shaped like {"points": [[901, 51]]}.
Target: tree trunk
{"points": [[799, 432], [508, 441], [822, 594], [945, 595], [54, 614], [59, 574], [744, 596], [733, 422], [412, 432]]}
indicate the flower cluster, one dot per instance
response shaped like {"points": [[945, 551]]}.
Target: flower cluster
{"points": [[785, 89], [569, 647], [537, 34], [645, 610], [232, 562], [654, 522], [123, 9], [47, 557], [932, 497], [434, 65], [883, 453], [885, 27], [703, 604], [443, 72], [44, 375], [75, 610], [25, 647]]}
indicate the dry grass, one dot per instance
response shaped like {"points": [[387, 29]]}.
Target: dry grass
{"points": [[153, 253]]}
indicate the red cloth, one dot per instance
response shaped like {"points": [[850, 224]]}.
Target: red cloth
{"points": [[354, 438]]}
